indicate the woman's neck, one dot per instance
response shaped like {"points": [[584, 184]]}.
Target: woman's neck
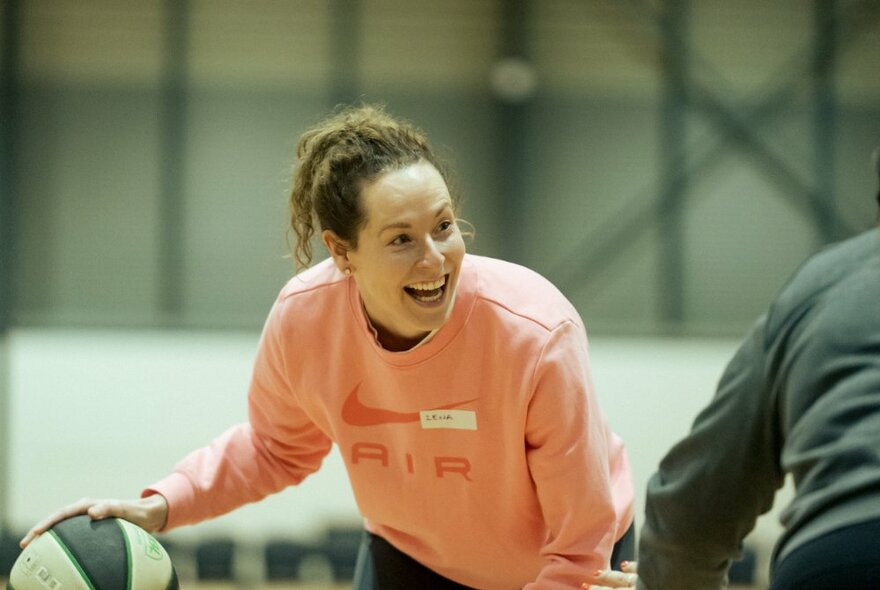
{"points": [[396, 343]]}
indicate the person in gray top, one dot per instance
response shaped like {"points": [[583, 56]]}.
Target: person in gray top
{"points": [[801, 397]]}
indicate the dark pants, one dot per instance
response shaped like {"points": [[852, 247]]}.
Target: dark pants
{"points": [[382, 567], [846, 558]]}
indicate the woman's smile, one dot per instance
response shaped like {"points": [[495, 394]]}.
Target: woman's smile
{"points": [[428, 293]]}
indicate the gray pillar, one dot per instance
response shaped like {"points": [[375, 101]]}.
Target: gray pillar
{"points": [[10, 130], [824, 62], [345, 47], [673, 160], [514, 88], [173, 121]]}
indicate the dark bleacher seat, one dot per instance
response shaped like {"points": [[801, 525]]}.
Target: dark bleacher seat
{"points": [[9, 551], [283, 558], [214, 559], [342, 549]]}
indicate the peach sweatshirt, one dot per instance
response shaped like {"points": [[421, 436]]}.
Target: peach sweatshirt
{"points": [[483, 453]]}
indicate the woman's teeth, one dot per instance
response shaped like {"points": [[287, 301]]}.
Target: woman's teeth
{"points": [[427, 292], [428, 286]]}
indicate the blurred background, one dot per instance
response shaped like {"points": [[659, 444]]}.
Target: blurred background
{"points": [[667, 163]]}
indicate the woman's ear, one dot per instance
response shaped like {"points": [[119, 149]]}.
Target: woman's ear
{"points": [[338, 249]]}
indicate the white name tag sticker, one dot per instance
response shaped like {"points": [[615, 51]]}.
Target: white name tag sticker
{"points": [[455, 419]]}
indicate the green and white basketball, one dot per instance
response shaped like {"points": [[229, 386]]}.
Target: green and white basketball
{"points": [[84, 554]]}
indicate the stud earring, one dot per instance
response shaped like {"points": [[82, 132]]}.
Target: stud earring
{"points": [[347, 272]]}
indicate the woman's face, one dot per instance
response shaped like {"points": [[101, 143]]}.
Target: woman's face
{"points": [[409, 253]]}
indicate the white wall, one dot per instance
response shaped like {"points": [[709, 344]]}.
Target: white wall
{"points": [[104, 413]]}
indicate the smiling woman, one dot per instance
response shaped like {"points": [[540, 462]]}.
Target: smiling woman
{"points": [[381, 198], [408, 255], [461, 383]]}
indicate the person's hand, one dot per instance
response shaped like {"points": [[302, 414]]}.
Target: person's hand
{"points": [[149, 513], [628, 578]]}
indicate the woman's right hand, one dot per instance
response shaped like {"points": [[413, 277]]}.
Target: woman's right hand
{"points": [[149, 513], [626, 579]]}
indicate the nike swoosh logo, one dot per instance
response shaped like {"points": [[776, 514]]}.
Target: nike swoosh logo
{"points": [[356, 413]]}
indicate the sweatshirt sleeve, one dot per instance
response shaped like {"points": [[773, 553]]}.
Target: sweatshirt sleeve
{"points": [[711, 487], [279, 446], [569, 446]]}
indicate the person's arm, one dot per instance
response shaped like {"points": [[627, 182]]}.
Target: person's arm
{"points": [[567, 441], [711, 487], [278, 447]]}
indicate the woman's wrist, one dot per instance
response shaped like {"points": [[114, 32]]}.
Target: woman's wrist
{"points": [[155, 512]]}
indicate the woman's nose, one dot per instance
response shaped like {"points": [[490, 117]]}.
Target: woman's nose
{"points": [[431, 254]]}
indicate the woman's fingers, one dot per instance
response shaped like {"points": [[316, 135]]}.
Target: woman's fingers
{"points": [[608, 579], [630, 567], [149, 513], [119, 508], [79, 507]]}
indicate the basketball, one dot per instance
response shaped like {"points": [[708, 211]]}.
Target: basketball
{"points": [[84, 554]]}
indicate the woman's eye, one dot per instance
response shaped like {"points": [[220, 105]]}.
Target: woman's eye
{"points": [[400, 240], [445, 225]]}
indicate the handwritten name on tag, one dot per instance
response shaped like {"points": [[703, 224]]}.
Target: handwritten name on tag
{"points": [[455, 419]]}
